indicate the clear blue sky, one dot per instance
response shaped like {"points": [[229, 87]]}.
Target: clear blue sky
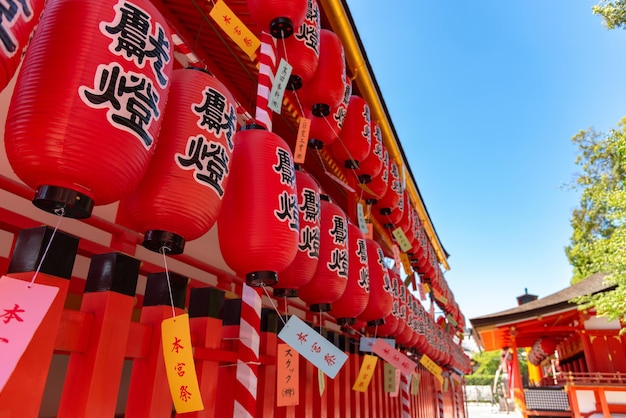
{"points": [[485, 96]]}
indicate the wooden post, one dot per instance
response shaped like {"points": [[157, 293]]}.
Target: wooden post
{"points": [[149, 395], [205, 311], [23, 392], [93, 377]]}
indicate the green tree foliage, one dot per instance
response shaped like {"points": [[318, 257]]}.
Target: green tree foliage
{"points": [[598, 242], [613, 13]]}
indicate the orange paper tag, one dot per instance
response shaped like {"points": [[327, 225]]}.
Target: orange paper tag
{"points": [[22, 308], [288, 376], [370, 231], [181, 371], [235, 28], [406, 264], [299, 152], [365, 374]]}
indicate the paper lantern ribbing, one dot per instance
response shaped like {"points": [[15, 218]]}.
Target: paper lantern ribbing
{"points": [[331, 275], [302, 50], [324, 130], [181, 194], [258, 223], [303, 267], [327, 86], [372, 165], [354, 142], [357, 293], [381, 298], [278, 17], [17, 25], [82, 131]]}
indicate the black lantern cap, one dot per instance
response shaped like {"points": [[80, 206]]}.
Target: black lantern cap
{"points": [[285, 293], [155, 240], [74, 204], [281, 28], [320, 307], [261, 278]]}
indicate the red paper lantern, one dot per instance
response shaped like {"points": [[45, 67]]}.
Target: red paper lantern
{"points": [[377, 186], [82, 131], [258, 223], [357, 293], [18, 22], [324, 130], [405, 220], [405, 336], [327, 86], [392, 197], [181, 194], [381, 293], [302, 50], [372, 165], [393, 323], [421, 327], [331, 275], [303, 267], [278, 17], [354, 142]]}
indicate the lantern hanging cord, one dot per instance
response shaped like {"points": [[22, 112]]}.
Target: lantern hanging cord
{"points": [[167, 278], [60, 212], [272, 303], [286, 308], [320, 322]]}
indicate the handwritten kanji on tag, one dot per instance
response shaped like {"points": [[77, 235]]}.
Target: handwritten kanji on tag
{"points": [[22, 308]]}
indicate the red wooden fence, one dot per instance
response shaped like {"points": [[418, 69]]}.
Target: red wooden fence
{"points": [[109, 337]]}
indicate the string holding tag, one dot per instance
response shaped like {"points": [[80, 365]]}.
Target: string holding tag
{"points": [[272, 303], [167, 277], [60, 212]]}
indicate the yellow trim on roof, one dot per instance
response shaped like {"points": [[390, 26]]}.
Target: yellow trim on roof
{"points": [[358, 69]]}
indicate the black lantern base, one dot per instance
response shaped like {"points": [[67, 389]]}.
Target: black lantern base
{"points": [[281, 28], [294, 83], [54, 198], [155, 240], [376, 322], [371, 201], [320, 307], [365, 178], [388, 225], [261, 278], [286, 293], [315, 144], [385, 211], [321, 110], [346, 321], [351, 164]]}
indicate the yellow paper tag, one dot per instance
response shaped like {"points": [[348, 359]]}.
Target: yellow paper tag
{"points": [[299, 152], [401, 239], [415, 383], [365, 374], [288, 376], [426, 288], [432, 367], [406, 264], [321, 381], [181, 371], [235, 28]]}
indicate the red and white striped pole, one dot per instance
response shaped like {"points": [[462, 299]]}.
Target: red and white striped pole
{"points": [[267, 69], [406, 401], [251, 302], [248, 353]]}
